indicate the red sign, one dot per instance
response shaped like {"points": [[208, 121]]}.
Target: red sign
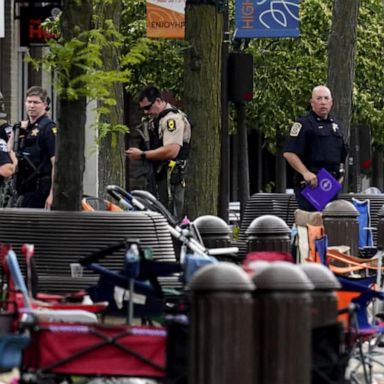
{"points": [[31, 31]]}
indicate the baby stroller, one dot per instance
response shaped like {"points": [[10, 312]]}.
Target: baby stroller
{"points": [[185, 233]]}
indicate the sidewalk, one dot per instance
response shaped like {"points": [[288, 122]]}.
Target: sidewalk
{"points": [[377, 368]]}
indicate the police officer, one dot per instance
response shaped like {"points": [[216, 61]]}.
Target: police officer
{"points": [[8, 159], [314, 142], [5, 127], [35, 140], [170, 136]]}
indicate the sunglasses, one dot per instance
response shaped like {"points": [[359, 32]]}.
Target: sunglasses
{"points": [[148, 107]]}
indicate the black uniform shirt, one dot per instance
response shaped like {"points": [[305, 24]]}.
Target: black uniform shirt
{"points": [[5, 131], [318, 142], [4, 156], [37, 143]]}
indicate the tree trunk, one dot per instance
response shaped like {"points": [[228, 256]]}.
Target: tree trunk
{"points": [[111, 148], [202, 90], [341, 61], [70, 161]]}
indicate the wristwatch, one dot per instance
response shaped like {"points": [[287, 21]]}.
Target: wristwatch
{"points": [[142, 155]]}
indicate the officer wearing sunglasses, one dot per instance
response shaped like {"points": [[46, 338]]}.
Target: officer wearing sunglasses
{"points": [[169, 145]]}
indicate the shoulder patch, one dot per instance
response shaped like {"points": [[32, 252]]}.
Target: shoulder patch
{"points": [[295, 129], [54, 130], [171, 125], [3, 146]]}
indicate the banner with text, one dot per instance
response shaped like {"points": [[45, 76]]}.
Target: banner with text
{"points": [[166, 19], [267, 18]]}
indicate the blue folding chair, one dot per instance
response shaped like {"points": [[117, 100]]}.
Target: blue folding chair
{"points": [[366, 244], [365, 332], [12, 345]]}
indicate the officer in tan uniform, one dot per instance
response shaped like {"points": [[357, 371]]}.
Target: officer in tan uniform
{"points": [[169, 142]]}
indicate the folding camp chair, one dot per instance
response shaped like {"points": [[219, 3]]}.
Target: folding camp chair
{"points": [[366, 246], [342, 264], [25, 295], [364, 332], [135, 288], [95, 349], [27, 305], [91, 203], [306, 234]]}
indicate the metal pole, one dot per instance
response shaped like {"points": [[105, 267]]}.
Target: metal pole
{"points": [[225, 152], [243, 157]]}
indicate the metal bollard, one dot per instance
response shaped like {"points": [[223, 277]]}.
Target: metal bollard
{"points": [[221, 325], [324, 298], [215, 233], [328, 359], [268, 233], [341, 224], [282, 328]]}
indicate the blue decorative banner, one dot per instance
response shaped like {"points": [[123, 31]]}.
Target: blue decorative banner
{"points": [[267, 18]]}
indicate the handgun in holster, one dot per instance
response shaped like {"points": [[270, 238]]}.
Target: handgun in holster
{"points": [[176, 170]]}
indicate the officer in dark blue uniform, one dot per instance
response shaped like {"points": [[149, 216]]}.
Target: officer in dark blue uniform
{"points": [[8, 160], [34, 141], [314, 142], [5, 127]]}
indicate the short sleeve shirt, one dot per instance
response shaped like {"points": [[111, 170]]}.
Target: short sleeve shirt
{"points": [[318, 142], [5, 131], [39, 144], [4, 157], [174, 128]]}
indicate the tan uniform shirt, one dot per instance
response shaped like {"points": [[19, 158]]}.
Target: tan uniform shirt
{"points": [[174, 128]]}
